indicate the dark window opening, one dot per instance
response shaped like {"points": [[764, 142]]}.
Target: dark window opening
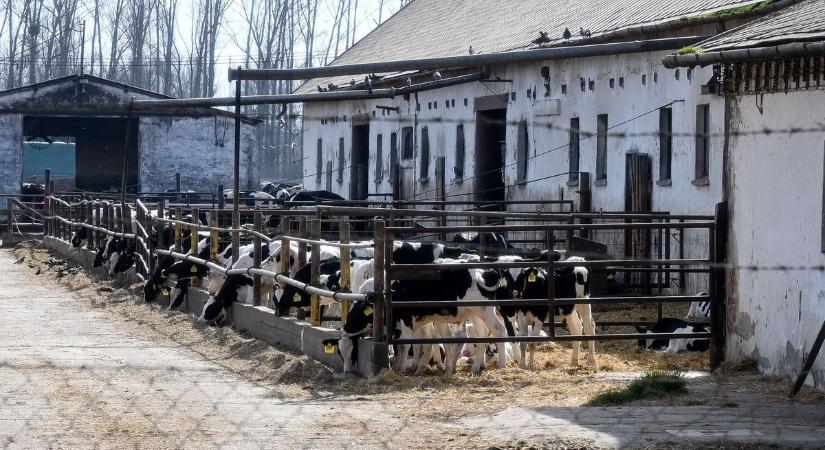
{"points": [[319, 161], [573, 166], [702, 140], [522, 152], [393, 156], [459, 152], [379, 158], [341, 160], [425, 154], [601, 147], [407, 143], [665, 143]]}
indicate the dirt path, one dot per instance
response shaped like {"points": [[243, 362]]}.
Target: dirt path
{"points": [[85, 365]]}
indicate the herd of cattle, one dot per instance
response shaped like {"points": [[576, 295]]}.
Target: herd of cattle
{"points": [[171, 279]]}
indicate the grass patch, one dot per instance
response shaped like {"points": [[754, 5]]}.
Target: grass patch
{"points": [[650, 385], [731, 12], [689, 50]]}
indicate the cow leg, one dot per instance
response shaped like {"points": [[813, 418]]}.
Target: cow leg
{"points": [[496, 325], [575, 326], [401, 355], [536, 331], [515, 346], [479, 330], [346, 346], [589, 328], [451, 356]]}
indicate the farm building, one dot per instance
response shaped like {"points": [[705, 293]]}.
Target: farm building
{"points": [[612, 124], [773, 75], [82, 120]]}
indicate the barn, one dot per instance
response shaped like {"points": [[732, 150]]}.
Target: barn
{"points": [[84, 121], [602, 119], [772, 77]]}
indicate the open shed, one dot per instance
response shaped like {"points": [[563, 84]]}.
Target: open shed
{"points": [[92, 115]]}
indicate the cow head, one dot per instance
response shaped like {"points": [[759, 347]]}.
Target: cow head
{"points": [[235, 288], [80, 236], [358, 324], [123, 259], [531, 283]]}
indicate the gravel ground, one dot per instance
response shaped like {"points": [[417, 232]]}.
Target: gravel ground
{"points": [[88, 364]]}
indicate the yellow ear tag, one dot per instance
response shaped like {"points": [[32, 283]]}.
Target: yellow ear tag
{"points": [[166, 292], [194, 269], [329, 348], [296, 298], [531, 278], [368, 311]]}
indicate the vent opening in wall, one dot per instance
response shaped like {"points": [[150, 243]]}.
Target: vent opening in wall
{"points": [[564, 89], [644, 79], [591, 85], [655, 77], [689, 74], [581, 81], [612, 83], [621, 82]]}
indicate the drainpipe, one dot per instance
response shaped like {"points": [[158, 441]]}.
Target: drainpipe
{"points": [[793, 50]]}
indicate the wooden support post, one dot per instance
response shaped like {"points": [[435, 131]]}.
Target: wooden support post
{"points": [[302, 248], [256, 257], [194, 238], [161, 226], [549, 241], [482, 239], [110, 217], [809, 362], [148, 224], [220, 197], [94, 236], [178, 229], [214, 238], [346, 282], [718, 246], [236, 235], [126, 217], [285, 246], [177, 187], [381, 250], [315, 260]]}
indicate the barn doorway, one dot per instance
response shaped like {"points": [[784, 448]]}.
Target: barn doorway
{"points": [[638, 199], [97, 145], [491, 135], [359, 166]]}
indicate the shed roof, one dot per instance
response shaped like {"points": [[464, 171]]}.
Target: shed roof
{"points": [[802, 22], [430, 28]]}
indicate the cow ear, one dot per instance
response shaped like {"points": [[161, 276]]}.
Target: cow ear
{"points": [[641, 328]]}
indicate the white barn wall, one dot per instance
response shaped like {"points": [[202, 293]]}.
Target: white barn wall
{"points": [[621, 104], [11, 155], [776, 199]]}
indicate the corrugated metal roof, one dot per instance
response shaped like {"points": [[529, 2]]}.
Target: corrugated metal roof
{"points": [[430, 28], [804, 21]]}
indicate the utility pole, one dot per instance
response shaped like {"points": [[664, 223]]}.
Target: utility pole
{"points": [[82, 46]]}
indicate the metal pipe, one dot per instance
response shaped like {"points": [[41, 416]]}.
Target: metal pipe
{"points": [[793, 50], [420, 304], [597, 337], [343, 95], [464, 60]]}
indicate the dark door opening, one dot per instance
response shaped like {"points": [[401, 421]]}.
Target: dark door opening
{"points": [[359, 166], [638, 199], [98, 150], [491, 134]]}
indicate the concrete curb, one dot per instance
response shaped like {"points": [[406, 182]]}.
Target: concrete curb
{"points": [[258, 321]]}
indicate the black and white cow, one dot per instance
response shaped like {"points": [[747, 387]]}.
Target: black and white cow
{"points": [[699, 310], [311, 196], [236, 288], [110, 254], [180, 272], [492, 240], [358, 325], [671, 325], [287, 296], [79, 237]]}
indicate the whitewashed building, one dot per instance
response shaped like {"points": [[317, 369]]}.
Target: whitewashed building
{"points": [[773, 80]]}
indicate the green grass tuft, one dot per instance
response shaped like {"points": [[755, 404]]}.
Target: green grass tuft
{"points": [[730, 12], [650, 385], [689, 50]]}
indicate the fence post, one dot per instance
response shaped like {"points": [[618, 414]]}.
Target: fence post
{"points": [[346, 274], [285, 247], [193, 242], [378, 330], [111, 224], [302, 248], [549, 242], [236, 235], [220, 197], [315, 307], [256, 256], [214, 238], [718, 247], [177, 187], [178, 230]]}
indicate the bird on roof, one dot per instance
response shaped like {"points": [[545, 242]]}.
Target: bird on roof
{"points": [[567, 35], [352, 82], [472, 50], [368, 84], [332, 87], [437, 76], [542, 39], [584, 33], [322, 89], [408, 82]]}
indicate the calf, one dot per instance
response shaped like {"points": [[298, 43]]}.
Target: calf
{"points": [[358, 324], [287, 296], [235, 288], [699, 310], [670, 325]]}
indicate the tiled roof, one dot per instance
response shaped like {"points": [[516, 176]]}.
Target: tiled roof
{"points": [[804, 21], [429, 28]]}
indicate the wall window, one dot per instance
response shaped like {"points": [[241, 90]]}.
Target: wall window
{"points": [[424, 174], [601, 148], [379, 158], [393, 155], [460, 150], [329, 175], [573, 149], [522, 152], [702, 141], [665, 143], [407, 143], [341, 160], [319, 161]]}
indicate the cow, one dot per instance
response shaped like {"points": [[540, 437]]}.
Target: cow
{"points": [[287, 296], [32, 193], [312, 196], [358, 324], [699, 310], [79, 237], [182, 271], [673, 346], [492, 240], [236, 288], [250, 198], [112, 251]]}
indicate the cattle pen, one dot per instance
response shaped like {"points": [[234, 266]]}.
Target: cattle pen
{"points": [[647, 271]]}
